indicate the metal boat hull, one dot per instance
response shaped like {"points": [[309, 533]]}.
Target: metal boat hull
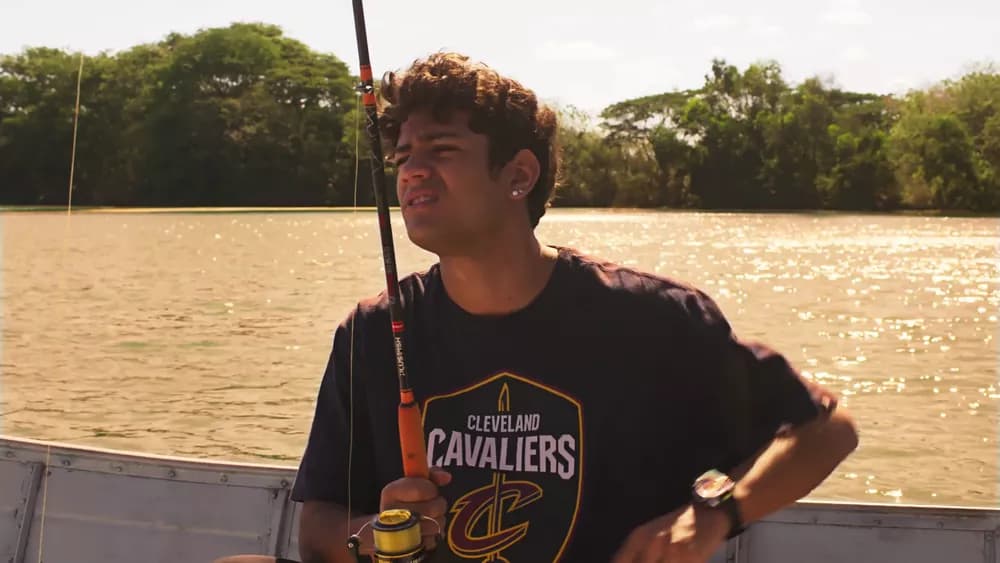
{"points": [[87, 505]]}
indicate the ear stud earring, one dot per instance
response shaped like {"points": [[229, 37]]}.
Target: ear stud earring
{"points": [[515, 193]]}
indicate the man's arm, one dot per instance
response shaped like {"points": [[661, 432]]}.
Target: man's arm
{"points": [[324, 529], [793, 464], [334, 451], [777, 433]]}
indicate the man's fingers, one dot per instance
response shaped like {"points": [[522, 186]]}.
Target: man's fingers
{"points": [[431, 509], [439, 476], [421, 497], [430, 542], [630, 550], [408, 489], [657, 546], [432, 527], [646, 545]]}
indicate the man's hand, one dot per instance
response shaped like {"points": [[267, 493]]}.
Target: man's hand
{"points": [[687, 535], [420, 496]]}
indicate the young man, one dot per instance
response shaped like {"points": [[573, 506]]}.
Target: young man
{"points": [[570, 404]]}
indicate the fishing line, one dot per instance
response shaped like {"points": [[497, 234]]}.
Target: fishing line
{"points": [[69, 206], [45, 497], [350, 368], [76, 119]]}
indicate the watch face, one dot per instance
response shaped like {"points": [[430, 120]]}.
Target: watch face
{"points": [[712, 484]]}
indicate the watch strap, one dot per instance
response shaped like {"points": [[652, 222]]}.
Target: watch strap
{"points": [[732, 509]]}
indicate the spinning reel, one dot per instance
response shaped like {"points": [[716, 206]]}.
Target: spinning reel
{"points": [[397, 538]]}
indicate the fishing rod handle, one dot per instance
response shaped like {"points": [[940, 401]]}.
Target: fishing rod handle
{"points": [[411, 437]]}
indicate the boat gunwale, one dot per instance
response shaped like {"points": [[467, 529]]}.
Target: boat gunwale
{"points": [[137, 464], [128, 462]]}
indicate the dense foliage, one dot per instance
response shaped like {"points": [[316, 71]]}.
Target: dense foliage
{"points": [[244, 116], [749, 140]]}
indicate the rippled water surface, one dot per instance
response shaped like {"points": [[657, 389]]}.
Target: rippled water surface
{"points": [[206, 334]]}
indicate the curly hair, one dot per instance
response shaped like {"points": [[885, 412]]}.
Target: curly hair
{"points": [[510, 115]]}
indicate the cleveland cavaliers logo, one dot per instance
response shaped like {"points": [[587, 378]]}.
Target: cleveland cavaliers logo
{"points": [[492, 502], [513, 447]]}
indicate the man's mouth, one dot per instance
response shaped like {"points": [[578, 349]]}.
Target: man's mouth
{"points": [[421, 199]]}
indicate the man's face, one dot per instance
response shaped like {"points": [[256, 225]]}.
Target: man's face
{"points": [[449, 200]]}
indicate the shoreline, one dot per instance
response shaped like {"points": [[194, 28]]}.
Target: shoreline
{"points": [[957, 213], [194, 209]]}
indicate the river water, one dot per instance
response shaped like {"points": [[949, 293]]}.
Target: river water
{"points": [[205, 334]]}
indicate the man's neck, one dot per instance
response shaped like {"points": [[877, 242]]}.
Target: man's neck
{"points": [[501, 279]]}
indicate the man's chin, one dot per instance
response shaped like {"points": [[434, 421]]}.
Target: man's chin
{"points": [[431, 242], [435, 242]]}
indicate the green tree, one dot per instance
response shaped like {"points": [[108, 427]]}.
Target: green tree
{"points": [[37, 99], [228, 116], [245, 116], [943, 147]]}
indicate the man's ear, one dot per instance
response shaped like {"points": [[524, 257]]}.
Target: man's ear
{"points": [[524, 170]]}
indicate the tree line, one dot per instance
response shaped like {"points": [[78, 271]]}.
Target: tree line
{"points": [[244, 116]]}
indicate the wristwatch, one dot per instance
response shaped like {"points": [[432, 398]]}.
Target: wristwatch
{"points": [[714, 489]]}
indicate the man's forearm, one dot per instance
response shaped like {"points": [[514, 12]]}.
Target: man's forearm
{"points": [[324, 530], [793, 465]]}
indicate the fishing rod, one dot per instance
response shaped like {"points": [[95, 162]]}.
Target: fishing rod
{"points": [[396, 532]]}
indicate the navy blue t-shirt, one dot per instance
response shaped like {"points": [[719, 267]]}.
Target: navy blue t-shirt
{"points": [[566, 424]]}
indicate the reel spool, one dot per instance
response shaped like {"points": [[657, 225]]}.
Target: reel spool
{"points": [[397, 538]]}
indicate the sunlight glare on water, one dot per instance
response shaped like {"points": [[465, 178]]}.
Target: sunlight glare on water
{"points": [[206, 334]]}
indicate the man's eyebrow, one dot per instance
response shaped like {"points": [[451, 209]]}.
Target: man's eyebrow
{"points": [[432, 136]]}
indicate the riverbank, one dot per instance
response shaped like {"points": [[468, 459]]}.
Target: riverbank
{"points": [[318, 208]]}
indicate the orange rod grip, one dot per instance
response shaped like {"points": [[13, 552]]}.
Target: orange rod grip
{"points": [[411, 438]]}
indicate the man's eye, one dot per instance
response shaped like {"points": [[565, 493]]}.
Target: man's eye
{"points": [[399, 161], [445, 148]]}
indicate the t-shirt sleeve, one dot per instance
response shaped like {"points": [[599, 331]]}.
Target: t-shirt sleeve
{"points": [[747, 392], [331, 454]]}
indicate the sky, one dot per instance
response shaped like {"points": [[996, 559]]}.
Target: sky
{"points": [[585, 53]]}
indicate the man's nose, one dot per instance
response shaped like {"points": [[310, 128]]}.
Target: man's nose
{"points": [[414, 169]]}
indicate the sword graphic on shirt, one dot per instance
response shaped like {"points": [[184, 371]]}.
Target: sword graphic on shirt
{"points": [[489, 502], [496, 518]]}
